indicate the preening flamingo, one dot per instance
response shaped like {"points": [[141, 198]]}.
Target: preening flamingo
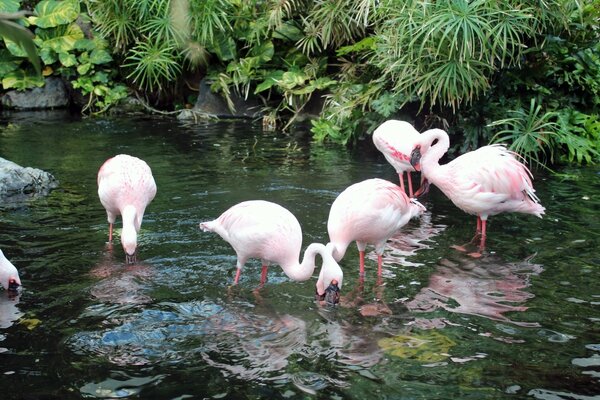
{"points": [[396, 139], [483, 182], [369, 212], [126, 187], [268, 231], [9, 276]]}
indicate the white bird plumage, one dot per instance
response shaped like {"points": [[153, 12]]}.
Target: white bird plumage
{"points": [[126, 187], [267, 231], [9, 275]]}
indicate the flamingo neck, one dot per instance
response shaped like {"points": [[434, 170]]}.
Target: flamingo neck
{"points": [[304, 270], [339, 250], [129, 232], [430, 161]]}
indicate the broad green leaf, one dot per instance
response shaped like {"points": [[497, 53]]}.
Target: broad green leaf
{"points": [[366, 44], [19, 42], [21, 80], [291, 79], [100, 56], [51, 13], [83, 69], [48, 56], [85, 44], [61, 39], [270, 80], [264, 52], [9, 6], [66, 59], [8, 62], [224, 47], [289, 31]]}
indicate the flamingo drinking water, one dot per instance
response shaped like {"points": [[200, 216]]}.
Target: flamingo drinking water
{"points": [[483, 182], [396, 139], [9, 276], [126, 187], [268, 231], [369, 212]]}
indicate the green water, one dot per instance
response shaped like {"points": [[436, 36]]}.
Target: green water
{"points": [[522, 321]]}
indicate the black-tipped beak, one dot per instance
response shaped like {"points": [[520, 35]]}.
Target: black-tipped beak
{"points": [[424, 188], [415, 158], [13, 285], [130, 258], [332, 294]]}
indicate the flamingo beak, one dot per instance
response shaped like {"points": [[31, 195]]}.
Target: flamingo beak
{"points": [[424, 188], [130, 258], [415, 158], [13, 285], [332, 293]]}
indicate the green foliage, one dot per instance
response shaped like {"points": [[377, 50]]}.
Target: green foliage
{"points": [[529, 132]]}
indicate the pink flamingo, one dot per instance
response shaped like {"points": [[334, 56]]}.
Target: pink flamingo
{"points": [[9, 276], [483, 182], [126, 187], [268, 231], [369, 212], [396, 139]]}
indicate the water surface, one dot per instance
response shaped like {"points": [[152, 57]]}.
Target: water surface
{"points": [[520, 322]]}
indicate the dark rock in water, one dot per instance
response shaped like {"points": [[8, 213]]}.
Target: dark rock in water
{"points": [[17, 183], [53, 94], [211, 104]]}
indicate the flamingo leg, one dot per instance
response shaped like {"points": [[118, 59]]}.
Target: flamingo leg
{"points": [[410, 187], [237, 276], [379, 265], [401, 176], [263, 274], [110, 232], [478, 231], [361, 267], [483, 234]]}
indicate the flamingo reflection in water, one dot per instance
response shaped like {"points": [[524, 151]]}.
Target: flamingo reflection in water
{"points": [[120, 284], [482, 287]]}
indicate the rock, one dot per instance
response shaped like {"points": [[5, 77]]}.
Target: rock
{"points": [[214, 105], [53, 94], [18, 182]]}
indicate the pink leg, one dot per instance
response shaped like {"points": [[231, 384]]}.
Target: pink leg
{"points": [[361, 268], [401, 176], [379, 265], [478, 225], [410, 188], [110, 231], [237, 276], [263, 274], [483, 234]]}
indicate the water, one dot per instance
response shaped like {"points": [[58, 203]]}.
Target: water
{"points": [[520, 322]]}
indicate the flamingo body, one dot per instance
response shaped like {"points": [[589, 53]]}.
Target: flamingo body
{"points": [[9, 276], [484, 182], [369, 212], [267, 231], [396, 140], [126, 187]]}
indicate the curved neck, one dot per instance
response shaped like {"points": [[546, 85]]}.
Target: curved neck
{"points": [[128, 215], [432, 155], [304, 270]]}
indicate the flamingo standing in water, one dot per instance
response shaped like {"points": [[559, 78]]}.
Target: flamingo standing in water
{"points": [[483, 182], [396, 139], [369, 212], [265, 230], [9, 276], [126, 187]]}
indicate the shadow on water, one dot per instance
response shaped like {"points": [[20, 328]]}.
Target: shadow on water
{"points": [[438, 325]]}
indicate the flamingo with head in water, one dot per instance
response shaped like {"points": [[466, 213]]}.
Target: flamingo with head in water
{"points": [[267, 231], [126, 187], [396, 139], [369, 212], [9, 276], [484, 182]]}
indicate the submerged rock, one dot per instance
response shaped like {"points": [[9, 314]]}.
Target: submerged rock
{"points": [[18, 182]]}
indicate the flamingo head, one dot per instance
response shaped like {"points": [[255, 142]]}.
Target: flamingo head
{"points": [[330, 279], [129, 243], [415, 157], [9, 276]]}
